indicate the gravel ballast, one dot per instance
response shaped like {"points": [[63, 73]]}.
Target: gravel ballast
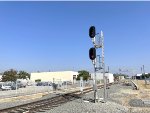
{"points": [[113, 104], [85, 106]]}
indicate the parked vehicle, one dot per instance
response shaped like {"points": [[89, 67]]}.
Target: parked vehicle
{"points": [[21, 83], [14, 86], [67, 82], [44, 84], [5, 86], [39, 84], [9, 86]]}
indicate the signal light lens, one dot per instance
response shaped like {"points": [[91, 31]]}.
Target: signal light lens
{"points": [[92, 32], [92, 53]]}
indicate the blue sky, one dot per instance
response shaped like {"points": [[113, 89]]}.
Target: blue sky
{"points": [[54, 35]]}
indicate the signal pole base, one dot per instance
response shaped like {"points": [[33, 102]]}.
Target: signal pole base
{"points": [[95, 96], [102, 100]]}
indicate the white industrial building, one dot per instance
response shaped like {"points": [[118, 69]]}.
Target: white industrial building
{"points": [[54, 76], [138, 76], [99, 76]]}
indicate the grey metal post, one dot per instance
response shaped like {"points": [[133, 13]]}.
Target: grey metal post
{"points": [[95, 83], [34, 87], [53, 84], [103, 64], [16, 87], [53, 80], [81, 87]]}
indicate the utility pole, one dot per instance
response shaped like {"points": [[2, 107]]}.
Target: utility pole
{"points": [[143, 70], [144, 74], [108, 69], [141, 73]]}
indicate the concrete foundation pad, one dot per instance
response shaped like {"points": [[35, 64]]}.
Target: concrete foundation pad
{"points": [[147, 102]]}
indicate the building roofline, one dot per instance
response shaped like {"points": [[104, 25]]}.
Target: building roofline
{"points": [[55, 72]]}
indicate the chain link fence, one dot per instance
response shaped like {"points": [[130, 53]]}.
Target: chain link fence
{"points": [[49, 86]]}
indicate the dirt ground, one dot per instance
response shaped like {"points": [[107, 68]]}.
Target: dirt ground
{"points": [[144, 90], [127, 94]]}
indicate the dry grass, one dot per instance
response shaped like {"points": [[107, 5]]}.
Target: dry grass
{"points": [[142, 93], [144, 90]]}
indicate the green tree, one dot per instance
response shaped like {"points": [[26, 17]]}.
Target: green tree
{"points": [[145, 76], [23, 75], [9, 75], [38, 80], [84, 74]]}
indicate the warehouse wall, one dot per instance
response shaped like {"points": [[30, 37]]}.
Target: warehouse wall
{"points": [[99, 76], [110, 77], [49, 76]]}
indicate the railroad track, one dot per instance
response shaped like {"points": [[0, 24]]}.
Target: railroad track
{"points": [[47, 104]]}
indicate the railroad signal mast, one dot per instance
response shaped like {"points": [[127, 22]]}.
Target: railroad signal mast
{"points": [[98, 42]]}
